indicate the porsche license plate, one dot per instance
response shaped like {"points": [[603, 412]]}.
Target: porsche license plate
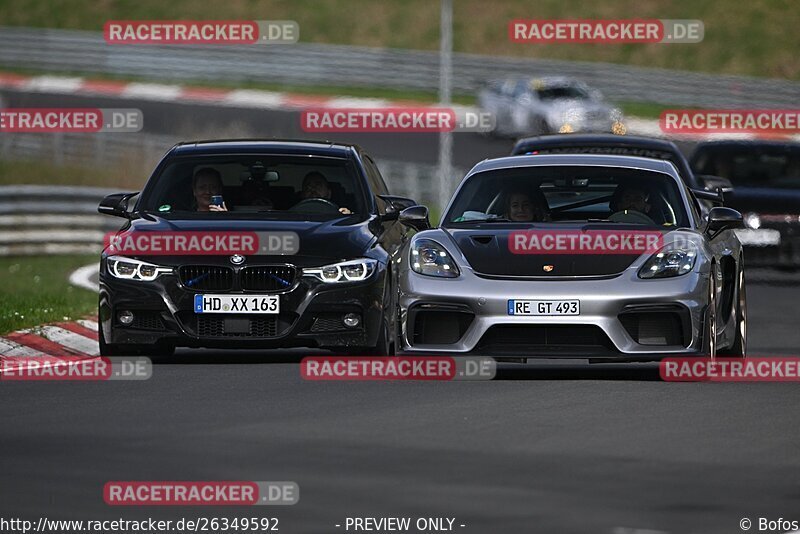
{"points": [[236, 303], [544, 307]]}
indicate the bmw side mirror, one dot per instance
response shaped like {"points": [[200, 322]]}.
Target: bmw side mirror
{"points": [[116, 204], [395, 205], [721, 218], [416, 217]]}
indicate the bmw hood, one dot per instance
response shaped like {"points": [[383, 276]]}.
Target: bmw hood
{"points": [[317, 241]]}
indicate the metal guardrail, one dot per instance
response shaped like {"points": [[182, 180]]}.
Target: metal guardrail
{"points": [[140, 154], [338, 65], [52, 220], [64, 220]]}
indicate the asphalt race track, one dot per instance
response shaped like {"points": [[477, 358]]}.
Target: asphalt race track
{"points": [[543, 448]]}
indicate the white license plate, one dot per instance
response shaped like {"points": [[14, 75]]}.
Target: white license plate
{"points": [[760, 238], [236, 303], [544, 307]]}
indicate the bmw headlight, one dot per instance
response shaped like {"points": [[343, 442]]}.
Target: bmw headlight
{"points": [[430, 258], [130, 269], [670, 261], [347, 271]]}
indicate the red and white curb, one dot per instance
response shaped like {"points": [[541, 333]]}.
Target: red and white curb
{"points": [[50, 343], [248, 98], [242, 98], [259, 99]]}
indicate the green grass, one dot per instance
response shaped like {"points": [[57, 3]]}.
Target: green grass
{"points": [[42, 173], [644, 110], [35, 290], [748, 37]]}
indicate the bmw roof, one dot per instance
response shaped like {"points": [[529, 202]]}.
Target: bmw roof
{"points": [[255, 146]]}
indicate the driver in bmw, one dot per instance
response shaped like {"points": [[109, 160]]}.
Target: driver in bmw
{"points": [[315, 185]]}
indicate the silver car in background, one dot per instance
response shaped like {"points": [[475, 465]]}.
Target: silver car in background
{"points": [[465, 288], [537, 106]]}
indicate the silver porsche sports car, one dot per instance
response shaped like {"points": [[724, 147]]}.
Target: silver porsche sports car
{"points": [[597, 257], [536, 106]]}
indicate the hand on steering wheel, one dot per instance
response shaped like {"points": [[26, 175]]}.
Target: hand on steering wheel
{"points": [[631, 216], [317, 205]]}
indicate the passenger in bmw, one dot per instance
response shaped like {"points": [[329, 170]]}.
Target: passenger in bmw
{"points": [[315, 185], [206, 183]]}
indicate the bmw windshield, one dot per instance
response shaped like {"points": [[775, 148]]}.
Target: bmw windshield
{"points": [[250, 185]]}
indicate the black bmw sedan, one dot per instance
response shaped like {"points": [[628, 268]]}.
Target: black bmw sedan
{"points": [[254, 244]]}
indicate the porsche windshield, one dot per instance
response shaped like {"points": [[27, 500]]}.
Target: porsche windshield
{"points": [[563, 91], [265, 186], [569, 194]]}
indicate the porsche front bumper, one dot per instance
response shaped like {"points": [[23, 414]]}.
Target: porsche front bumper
{"points": [[621, 318]]}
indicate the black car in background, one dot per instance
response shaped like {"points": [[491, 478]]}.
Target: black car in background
{"points": [[629, 145], [766, 189], [337, 291]]}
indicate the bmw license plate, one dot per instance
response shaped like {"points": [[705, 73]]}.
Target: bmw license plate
{"points": [[544, 307], [236, 303]]}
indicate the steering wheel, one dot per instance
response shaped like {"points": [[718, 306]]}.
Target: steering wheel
{"points": [[631, 216], [315, 205]]}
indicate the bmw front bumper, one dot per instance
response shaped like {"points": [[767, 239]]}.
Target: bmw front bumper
{"points": [[310, 315]]}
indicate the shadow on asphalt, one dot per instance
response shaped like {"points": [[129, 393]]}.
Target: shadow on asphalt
{"points": [[621, 371], [222, 357], [505, 371]]}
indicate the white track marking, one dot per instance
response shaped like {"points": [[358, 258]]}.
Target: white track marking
{"points": [[152, 91], [348, 102], [71, 340], [253, 98], [82, 277], [14, 349], [86, 323], [53, 84]]}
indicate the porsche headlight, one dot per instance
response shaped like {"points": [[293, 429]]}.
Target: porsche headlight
{"points": [[347, 271], [130, 269], [430, 258], [670, 261]]}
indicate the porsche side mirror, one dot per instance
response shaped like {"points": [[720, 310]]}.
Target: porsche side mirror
{"points": [[721, 218]]}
